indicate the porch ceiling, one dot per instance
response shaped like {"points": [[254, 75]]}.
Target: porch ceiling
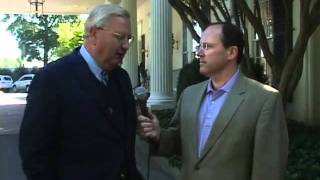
{"points": [[50, 6]]}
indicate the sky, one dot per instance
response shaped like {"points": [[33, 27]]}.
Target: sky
{"points": [[8, 44]]}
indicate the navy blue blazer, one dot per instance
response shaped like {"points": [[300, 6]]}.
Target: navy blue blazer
{"points": [[70, 129]]}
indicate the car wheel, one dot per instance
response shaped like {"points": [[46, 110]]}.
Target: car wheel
{"points": [[14, 89], [5, 90]]}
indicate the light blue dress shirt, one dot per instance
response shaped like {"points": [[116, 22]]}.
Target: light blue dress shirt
{"points": [[210, 108], [93, 66]]}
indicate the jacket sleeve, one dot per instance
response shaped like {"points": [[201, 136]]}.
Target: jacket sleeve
{"points": [[37, 131], [170, 140], [270, 149]]}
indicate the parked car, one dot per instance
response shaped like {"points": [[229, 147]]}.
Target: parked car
{"points": [[6, 82], [23, 83]]}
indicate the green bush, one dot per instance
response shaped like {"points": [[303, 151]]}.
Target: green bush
{"points": [[304, 149], [304, 154], [189, 75], [164, 116], [5, 71], [18, 72], [257, 70]]}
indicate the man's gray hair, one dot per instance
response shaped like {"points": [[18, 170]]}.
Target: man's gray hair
{"points": [[100, 15]]}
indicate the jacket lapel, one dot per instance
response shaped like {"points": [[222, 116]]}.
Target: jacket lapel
{"points": [[123, 85], [198, 97], [87, 82], [85, 78], [226, 113]]}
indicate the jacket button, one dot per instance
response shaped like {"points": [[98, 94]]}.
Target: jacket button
{"points": [[196, 167]]}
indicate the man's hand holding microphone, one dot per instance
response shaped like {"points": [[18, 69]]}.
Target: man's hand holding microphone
{"points": [[148, 123]]}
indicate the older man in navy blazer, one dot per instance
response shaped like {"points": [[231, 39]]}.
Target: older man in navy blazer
{"points": [[80, 118]]}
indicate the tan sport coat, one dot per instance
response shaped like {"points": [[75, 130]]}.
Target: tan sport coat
{"points": [[248, 140]]}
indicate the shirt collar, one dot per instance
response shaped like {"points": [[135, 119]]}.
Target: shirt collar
{"points": [[227, 86], [93, 66]]}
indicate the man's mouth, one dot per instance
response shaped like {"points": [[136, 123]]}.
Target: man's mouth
{"points": [[202, 62], [119, 55]]}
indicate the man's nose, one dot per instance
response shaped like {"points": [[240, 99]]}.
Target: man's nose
{"points": [[125, 45], [200, 53]]}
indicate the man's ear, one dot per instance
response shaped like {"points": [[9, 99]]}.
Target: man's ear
{"points": [[232, 52], [93, 34], [93, 30]]}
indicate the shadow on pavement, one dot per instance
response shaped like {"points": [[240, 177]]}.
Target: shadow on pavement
{"points": [[10, 163]]}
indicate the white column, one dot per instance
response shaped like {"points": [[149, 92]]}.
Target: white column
{"points": [[161, 55], [130, 61]]}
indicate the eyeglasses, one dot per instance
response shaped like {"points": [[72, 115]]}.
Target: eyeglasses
{"points": [[119, 36], [204, 46]]}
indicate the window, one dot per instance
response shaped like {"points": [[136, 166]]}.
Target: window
{"points": [[26, 78], [267, 22], [7, 79], [266, 16]]}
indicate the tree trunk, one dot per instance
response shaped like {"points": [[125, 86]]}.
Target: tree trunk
{"points": [[276, 76], [46, 47], [293, 82], [292, 62], [45, 58]]}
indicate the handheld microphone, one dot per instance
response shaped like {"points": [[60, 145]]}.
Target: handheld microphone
{"points": [[142, 96]]}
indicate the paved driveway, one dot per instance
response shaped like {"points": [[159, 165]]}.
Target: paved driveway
{"points": [[11, 111]]}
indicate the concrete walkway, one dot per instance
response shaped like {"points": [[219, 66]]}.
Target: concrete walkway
{"points": [[10, 163], [159, 167], [11, 111]]}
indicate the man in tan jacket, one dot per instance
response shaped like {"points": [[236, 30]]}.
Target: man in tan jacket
{"points": [[229, 127]]}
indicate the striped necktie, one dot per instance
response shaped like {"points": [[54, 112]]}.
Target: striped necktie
{"points": [[104, 77]]}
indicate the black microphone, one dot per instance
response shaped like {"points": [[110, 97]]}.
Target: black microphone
{"points": [[142, 96]]}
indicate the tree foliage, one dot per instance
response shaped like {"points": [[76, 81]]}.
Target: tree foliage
{"points": [[287, 66], [10, 62], [69, 39], [36, 35]]}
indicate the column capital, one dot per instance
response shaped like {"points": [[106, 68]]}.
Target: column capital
{"points": [[113, 1]]}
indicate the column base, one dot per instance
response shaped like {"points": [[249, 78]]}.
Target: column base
{"points": [[161, 102]]}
